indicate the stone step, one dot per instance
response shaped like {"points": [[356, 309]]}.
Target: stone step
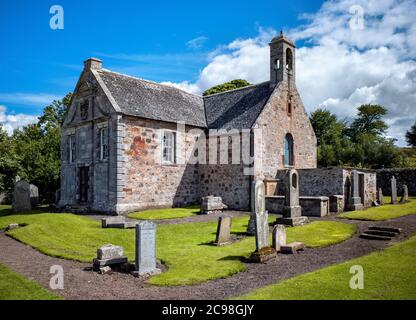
{"points": [[374, 237], [381, 233], [388, 229]]}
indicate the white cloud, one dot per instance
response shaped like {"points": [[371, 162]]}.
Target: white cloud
{"points": [[337, 67], [10, 122], [197, 43]]}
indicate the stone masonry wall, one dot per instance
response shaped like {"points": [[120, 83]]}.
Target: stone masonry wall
{"points": [[274, 123], [403, 176]]}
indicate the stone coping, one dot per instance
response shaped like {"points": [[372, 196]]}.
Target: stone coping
{"points": [[322, 198]]}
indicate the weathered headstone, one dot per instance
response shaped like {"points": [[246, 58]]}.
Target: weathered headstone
{"points": [[146, 249], [380, 196], [405, 196], [109, 255], [118, 222], [12, 226], [223, 235], [34, 195], [292, 248], [278, 237], [212, 204], [263, 250], [336, 203], [355, 199], [292, 212], [21, 196], [393, 190], [251, 228]]}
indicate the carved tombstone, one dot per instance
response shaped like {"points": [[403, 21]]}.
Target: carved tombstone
{"points": [[380, 196], [21, 196], [146, 249], [279, 237], [223, 236], [263, 251], [393, 190], [292, 212], [355, 200], [34, 195], [405, 196]]}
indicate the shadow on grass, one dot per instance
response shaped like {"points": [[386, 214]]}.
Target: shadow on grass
{"points": [[233, 258], [8, 211]]}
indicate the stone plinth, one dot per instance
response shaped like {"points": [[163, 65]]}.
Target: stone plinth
{"points": [[211, 205]]}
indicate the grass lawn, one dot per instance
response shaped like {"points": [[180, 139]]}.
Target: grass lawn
{"points": [[186, 248], [385, 212], [388, 274], [13, 286], [163, 214], [5, 210]]}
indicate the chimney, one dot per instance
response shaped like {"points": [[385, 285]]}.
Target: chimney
{"points": [[93, 64]]}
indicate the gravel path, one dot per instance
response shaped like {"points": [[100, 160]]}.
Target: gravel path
{"points": [[80, 283]]}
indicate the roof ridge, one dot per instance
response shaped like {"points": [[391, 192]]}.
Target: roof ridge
{"points": [[237, 89], [150, 81]]}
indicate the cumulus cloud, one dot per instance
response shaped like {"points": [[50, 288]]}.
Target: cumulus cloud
{"points": [[9, 122], [338, 67]]}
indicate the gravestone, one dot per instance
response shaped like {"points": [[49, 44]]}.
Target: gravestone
{"points": [[109, 255], [355, 200], [405, 196], [292, 211], [34, 195], [57, 196], [223, 235], [212, 204], [380, 196], [251, 228], [146, 249], [263, 250], [393, 190], [21, 196], [278, 237]]}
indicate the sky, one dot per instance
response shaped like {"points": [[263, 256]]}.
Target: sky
{"points": [[349, 52]]}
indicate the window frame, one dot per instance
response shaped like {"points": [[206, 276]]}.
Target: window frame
{"points": [[71, 148], [288, 159], [104, 154], [172, 147]]}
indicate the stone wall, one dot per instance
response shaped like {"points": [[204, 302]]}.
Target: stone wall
{"points": [[273, 124], [403, 176]]}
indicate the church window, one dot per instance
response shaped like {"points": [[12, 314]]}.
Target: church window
{"points": [[288, 150], [169, 147], [71, 147], [289, 59], [104, 143]]}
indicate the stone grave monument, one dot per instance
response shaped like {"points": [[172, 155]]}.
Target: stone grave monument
{"points": [[263, 250], [109, 255], [393, 190], [292, 212], [380, 196], [212, 204], [278, 237], [355, 199], [405, 196], [146, 249], [21, 196], [223, 235]]}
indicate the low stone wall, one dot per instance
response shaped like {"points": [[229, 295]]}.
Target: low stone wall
{"points": [[311, 206], [403, 176]]}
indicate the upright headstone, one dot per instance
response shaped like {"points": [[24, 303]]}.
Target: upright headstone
{"points": [[146, 249], [251, 228], [34, 195], [21, 196], [405, 196], [223, 236], [292, 211], [380, 197], [263, 250], [393, 190], [355, 199], [279, 237]]}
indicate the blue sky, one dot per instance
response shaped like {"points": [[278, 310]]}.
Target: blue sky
{"points": [[195, 44]]}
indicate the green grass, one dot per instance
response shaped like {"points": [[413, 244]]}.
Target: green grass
{"points": [[388, 274], [5, 210], [385, 212], [186, 248], [163, 214], [13, 286]]}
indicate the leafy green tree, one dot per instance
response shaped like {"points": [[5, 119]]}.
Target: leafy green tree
{"points": [[369, 121], [234, 84], [9, 165], [411, 136]]}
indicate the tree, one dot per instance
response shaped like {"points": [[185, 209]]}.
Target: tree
{"points": [[234, 84], [369, 121], [9, 165], [411, 136]]}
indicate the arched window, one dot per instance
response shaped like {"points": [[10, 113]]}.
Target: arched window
{"points": [[288, 151], [289, 59]]}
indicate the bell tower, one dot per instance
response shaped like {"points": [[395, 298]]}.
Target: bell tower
{"points": [[282, 60]]}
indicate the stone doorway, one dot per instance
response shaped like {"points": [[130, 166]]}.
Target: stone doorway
{"points": [[84, 178], [361, 187]]}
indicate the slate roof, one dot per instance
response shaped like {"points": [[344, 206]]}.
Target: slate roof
{"points": [[236, 109], [142, 98]]}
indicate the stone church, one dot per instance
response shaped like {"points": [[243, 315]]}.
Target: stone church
{"points": [[122, 151]]}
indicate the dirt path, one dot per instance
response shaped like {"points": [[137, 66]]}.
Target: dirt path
{"points": [[83, 284]]}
